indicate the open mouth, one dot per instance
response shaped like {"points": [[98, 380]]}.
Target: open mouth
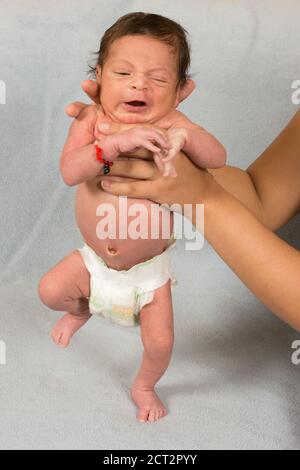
{"points": [[136, 103]]}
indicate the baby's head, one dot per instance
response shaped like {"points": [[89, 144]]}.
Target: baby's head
{"points": [[142, 68]]}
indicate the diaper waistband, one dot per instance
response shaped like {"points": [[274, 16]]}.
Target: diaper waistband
{"points": [[146, 275]]}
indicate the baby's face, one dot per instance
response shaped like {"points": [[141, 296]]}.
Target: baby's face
{"points": [[138, 80]]}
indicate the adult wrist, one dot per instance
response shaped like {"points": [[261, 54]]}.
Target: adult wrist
{"points": [[211, 197]]}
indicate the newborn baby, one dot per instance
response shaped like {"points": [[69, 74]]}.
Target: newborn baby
{"points": [[142, 72]]}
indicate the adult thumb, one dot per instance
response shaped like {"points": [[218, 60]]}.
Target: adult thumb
{"points": [[73, 109]]}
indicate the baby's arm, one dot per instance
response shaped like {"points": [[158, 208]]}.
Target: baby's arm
{"points": [[78, 162], [201, 146]]}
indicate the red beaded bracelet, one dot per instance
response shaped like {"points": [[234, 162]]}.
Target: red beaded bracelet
{"points": [[99, 157]]}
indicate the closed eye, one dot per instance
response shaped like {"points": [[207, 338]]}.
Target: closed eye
{"points": [[159, 80], [122, 73]]}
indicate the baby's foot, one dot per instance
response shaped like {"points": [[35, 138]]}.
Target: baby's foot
{"points": [[150, 408], [66, 327]]}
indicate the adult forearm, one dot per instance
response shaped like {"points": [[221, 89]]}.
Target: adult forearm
{"points": [[239, 183], [267, 265]]}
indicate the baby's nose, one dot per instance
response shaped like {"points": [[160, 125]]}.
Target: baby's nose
{"points": [[139, 82]]}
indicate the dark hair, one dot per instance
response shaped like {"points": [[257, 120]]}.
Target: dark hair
{"points": [[152, 25]]}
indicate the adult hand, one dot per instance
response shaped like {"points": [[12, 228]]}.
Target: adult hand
{"points": [[92, 89], [189, 187]]}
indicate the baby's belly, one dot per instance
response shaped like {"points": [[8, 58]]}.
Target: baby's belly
{"points": [[123, 231]]}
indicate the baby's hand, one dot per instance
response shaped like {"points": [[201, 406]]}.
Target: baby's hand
{"points": [[146, 136], [177, 138]]}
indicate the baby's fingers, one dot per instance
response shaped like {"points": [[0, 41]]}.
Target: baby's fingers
{"points": [[170, 155], [159, 139], [169, 170], [150, 146], [158, 160], [168, 158]]}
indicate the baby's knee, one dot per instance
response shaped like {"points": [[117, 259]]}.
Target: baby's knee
{"points": [[49, 290]]}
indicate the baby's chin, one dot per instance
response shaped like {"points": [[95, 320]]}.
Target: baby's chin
{"points": [[128, 117]]}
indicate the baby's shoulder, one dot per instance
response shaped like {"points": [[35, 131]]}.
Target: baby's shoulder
{"points": [[178, 119], [85, 121], [172, 119]]}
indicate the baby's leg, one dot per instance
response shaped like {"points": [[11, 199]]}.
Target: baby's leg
{"points": [[66, 287], [157, 335]]}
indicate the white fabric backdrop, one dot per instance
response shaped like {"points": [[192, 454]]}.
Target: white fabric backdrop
{"points": [[231, 383]]}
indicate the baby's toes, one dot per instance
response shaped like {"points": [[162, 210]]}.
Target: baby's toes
{"points": [[64, 340], [161, 413], [152, 416], [56, 335], [143, 415], [59, 338]]}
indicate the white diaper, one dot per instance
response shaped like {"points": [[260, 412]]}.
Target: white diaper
{"points": [[120, 295]]}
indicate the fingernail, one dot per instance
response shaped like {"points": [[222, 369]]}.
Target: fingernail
{"points": [[105, 184], [103, 125]]}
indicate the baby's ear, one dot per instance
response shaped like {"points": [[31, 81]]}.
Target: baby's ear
{"points": [[98, 74], [186, 90]]}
